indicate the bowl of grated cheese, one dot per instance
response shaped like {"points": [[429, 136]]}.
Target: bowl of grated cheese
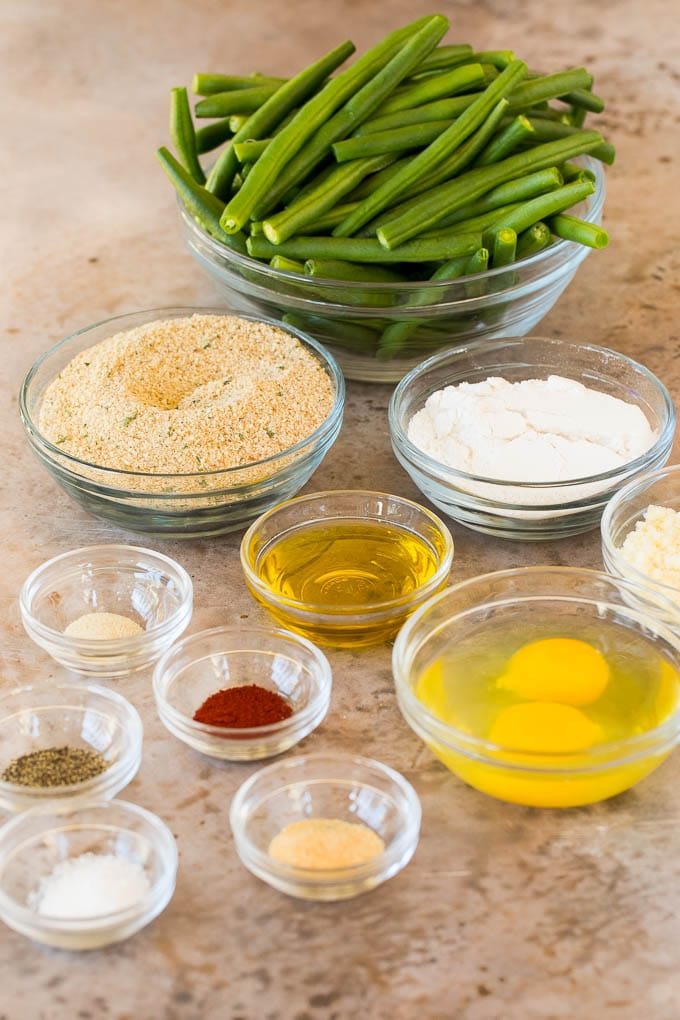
{"points": [[641, 536], [183, 421]]}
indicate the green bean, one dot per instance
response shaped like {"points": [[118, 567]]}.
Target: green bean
{"points": [[352, 335], [436, 203], [585, 100], [183, 134], [472, 224], [334, 269], [572, 171], [506, 141], [353, 249], [210, 136], [287, 265], [335, 185], [331, 218], [576, 116], [549, 130], [499, 58], [542, 206], [293, 160], [397, 140], [209, 84], [446, 56], [443, 109], [464, 155], [477, 263], [376, 180], [237, 121], [548, 86], [397, 333], [504, 247], [437, 86], [427, 160], [533, 240], [518, 190], [223, 104], [571, 228], [200, 203], [250, 150], [273, 111]]}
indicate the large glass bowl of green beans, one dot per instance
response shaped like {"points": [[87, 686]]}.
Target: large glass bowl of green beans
{"points": [[422, 196], [378, 331]]}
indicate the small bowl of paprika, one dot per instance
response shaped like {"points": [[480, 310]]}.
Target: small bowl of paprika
{"points": [[241, 693]]}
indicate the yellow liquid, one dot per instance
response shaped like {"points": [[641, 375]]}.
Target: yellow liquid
{"points": [[560, 689], [350, 565]]}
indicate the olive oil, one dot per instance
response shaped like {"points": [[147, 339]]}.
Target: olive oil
{"points": [[347, 564]]}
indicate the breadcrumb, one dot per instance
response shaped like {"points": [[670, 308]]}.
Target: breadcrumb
{"points": [[180, 396]]}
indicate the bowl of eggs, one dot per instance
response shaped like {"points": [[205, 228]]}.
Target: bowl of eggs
{"points": [[544, 686]]}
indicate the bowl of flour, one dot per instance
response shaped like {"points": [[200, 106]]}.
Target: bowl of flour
{"points": [[530, 437]]}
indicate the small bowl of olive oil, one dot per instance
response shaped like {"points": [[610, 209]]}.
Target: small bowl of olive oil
{"points": [[346, 568], [543, 686]]}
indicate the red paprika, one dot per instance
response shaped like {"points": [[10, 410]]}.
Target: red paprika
{"points": [[241, 707]]}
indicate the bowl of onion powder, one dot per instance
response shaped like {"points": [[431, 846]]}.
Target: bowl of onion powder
{"points": [[529, 438]]}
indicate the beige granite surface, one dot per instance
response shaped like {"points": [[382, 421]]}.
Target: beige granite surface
{"points": [[505, 913]]}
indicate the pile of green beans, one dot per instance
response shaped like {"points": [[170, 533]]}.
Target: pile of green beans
{"points": [[418, 161]]}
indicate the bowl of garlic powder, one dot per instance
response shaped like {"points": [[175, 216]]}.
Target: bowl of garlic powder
{"points": [[530, 437], [181, 421]]}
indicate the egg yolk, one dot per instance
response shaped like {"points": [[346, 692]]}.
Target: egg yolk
{"points": [[557, 669], [544, 727]]}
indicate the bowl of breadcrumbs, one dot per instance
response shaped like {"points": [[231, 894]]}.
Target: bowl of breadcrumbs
{"points": [[183, 421]]}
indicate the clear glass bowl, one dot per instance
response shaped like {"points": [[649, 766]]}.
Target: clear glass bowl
{"points": [[528, 510], [346, 625], [625, 509], [204, 503], [342, 786], [145, 586], [225, 657], [34, 843], [349, 318], [76, 715], [504, 599]]}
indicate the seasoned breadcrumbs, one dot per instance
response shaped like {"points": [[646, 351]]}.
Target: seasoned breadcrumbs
{"points": [[187, 395]]}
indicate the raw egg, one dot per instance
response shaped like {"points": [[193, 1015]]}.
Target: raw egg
{"points": [[563, 670]]}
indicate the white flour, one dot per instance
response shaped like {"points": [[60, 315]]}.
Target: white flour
{"points": [[538, 430]]}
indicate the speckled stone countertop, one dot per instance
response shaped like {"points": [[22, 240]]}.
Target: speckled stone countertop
{"points": [[505, 913]]}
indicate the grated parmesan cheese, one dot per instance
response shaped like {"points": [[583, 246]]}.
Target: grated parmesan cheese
{"points": [[653, 546]]}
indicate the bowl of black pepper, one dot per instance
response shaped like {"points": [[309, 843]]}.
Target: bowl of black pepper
{"points": [[240, 693], [65, 742]]}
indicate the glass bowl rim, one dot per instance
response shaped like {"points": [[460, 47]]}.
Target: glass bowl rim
{"points": [[321, 672], [128, 719], [625, 570], [410, 810], [450, 474], [163, 844], [355, 611], [665, 732], [135, 642], [560, 248], [321, 353]]}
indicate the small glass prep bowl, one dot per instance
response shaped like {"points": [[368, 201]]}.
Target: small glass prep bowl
{"points": [[204, 503], [146, 586], [33, 844], [337, 786], [224, 657], [350, 318], [75, 715], [505, 599], [363, 622], [528, 510], [622, 513]]}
